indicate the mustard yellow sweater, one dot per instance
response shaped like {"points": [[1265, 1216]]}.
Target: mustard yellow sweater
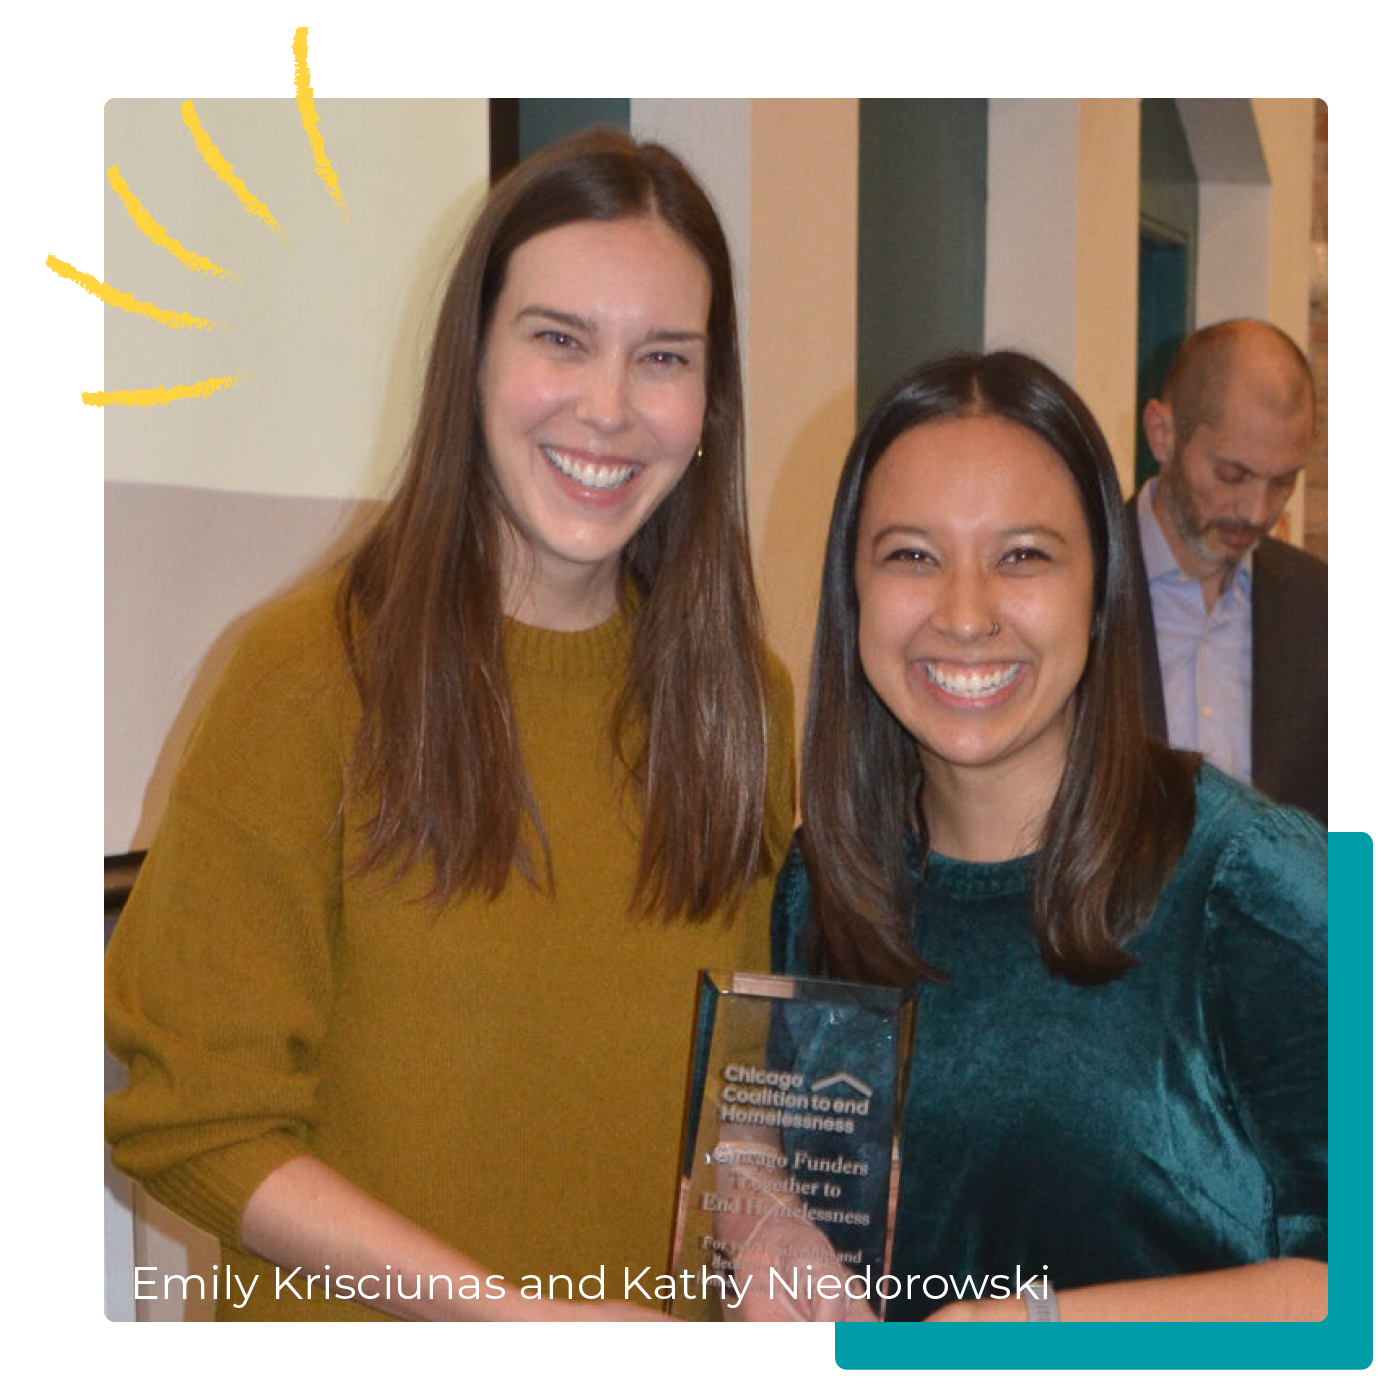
{"points": [[508, 1074]]}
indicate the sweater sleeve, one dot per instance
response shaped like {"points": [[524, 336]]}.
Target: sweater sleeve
{"points": [[218, 978], [780, 799], [1267, 920]]}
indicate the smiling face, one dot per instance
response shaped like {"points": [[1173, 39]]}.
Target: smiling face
{"points": [[593, 402], [975, 583]]}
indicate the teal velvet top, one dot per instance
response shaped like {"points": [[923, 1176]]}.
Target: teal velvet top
{"points": [[1172, 1121]]}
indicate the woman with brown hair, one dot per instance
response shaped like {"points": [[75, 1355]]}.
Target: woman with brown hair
{"points": [[405, 985], [1119, 1073]]}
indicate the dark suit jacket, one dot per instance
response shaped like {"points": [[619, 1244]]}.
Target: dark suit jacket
{"points": [[1288, 718]]}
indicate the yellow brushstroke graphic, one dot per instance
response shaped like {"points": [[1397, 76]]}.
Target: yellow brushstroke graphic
{"points": [[144, 398], [307, 107], [196, 262], [124, 301], [224, 170]]}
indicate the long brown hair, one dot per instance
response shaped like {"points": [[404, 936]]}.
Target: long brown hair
{"points": [[1123, 811], [438, 753]]}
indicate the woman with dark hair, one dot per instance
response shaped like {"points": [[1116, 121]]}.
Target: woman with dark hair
{"points": [[1119, 1073], [406, 981]]}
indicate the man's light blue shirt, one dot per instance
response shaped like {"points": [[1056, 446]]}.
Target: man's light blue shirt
{"points": [[1206, 657]]}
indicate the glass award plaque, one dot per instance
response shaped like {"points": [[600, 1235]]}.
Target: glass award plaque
{"points": [[790, 1161]]}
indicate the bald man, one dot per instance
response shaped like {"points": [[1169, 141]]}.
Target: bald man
{"points": [[1238, 625]]}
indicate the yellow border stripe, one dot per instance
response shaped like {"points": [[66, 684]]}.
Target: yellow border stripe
{"points": [[224, 170], [196, 262], [73, 576]]}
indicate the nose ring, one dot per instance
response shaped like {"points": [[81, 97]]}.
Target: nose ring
{"points": [[996, 627]]}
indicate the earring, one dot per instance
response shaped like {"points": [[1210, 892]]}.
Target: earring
{"points": [[996, 627]]}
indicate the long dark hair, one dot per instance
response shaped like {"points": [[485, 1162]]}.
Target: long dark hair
{"points": [[1123, 811], [438, 753]]}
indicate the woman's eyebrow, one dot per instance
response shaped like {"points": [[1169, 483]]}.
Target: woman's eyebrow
{"points": [[583, 323], [564, 318], [1006, 533], [673, 337], [884, 532], [1034, 530]]}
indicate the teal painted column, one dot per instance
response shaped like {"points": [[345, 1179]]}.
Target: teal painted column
{"points": [[922, 235], [1166, 257], [545, 120]]}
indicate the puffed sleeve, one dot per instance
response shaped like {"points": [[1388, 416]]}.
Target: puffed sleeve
{"points": [[218, 978], [1267, 922]]}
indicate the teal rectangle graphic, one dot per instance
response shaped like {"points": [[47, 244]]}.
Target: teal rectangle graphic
{"points": [[1364, 966]]}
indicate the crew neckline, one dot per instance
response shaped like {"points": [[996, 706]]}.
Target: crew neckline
{"points": [[972, 879], [596, 651]]}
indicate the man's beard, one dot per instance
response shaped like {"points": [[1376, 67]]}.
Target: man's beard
{"points": [[1193, 529]]}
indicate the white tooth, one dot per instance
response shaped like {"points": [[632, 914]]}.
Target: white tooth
{"points": [[970, 687], [596, 478]]}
